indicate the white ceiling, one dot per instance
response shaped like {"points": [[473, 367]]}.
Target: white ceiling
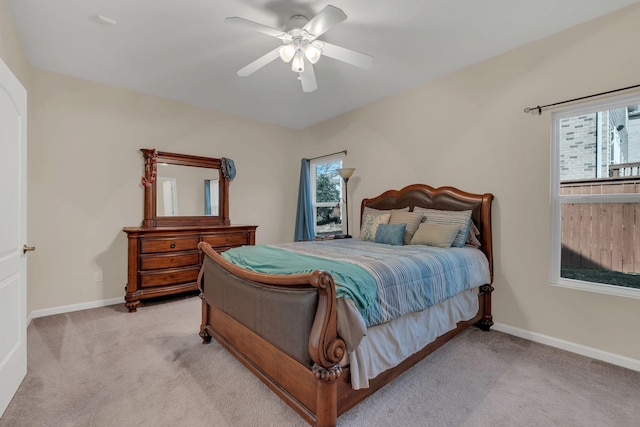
{"points": [[183, 49]]}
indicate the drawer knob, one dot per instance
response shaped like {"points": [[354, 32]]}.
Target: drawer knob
{"points": [[172, 245]]}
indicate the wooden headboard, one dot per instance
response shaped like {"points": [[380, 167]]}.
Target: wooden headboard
{"points": [[444, 198]]}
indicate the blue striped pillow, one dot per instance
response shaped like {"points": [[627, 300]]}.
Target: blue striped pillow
{"points": [[460, 218]]}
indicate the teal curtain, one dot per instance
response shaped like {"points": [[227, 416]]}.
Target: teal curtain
{"points": [[304, 216]]}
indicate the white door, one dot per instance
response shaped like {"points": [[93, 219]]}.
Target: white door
{"points": [[13, 233]]}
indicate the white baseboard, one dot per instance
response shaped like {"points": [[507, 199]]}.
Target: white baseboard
{"points": [[73, 307], [614, 359]]}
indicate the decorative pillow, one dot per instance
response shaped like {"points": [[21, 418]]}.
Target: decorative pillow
{"points": [[370, 225], [460, 218], [391, 234], [412, 219], [368, 210], [472, 238], [440, 235]]}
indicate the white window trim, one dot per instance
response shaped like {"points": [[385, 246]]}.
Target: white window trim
{"points": [[314, 204], [556, 200]]}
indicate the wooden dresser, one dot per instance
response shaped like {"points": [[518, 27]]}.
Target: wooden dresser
{"points": [[163, 252], [166, 260]]}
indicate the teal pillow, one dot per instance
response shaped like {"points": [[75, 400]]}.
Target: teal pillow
{"points": [[391, 234]]}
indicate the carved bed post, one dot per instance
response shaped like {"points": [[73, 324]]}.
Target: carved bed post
{"points": [[326, 399], [487, 318], [487, 247], [206, 338], [326, 350]]}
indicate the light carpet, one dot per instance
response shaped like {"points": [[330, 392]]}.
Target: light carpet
{"points": [[107, 367]]}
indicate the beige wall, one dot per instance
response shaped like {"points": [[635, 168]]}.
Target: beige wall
{"points": [[469, 130], [84, 178]]}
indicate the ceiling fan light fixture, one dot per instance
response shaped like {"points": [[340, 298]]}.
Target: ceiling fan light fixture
{"points": [[297, 64], [311, 52], [300, 44], [287, 52]]}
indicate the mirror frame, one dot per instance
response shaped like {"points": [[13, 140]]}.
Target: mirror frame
{"points": [[151, 219]]}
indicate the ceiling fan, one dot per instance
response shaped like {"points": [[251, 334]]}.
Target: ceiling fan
{"points": [[301, 47]]}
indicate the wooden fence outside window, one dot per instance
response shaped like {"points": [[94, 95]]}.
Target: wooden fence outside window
{"points": [[602, 235]]}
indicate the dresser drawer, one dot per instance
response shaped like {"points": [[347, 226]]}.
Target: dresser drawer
{"points": [[168, 277], [169, 261], [226, 240], [166, 260], [168, 245]]}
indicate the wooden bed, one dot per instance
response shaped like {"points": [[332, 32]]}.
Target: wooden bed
{"points": [[268, 321]]}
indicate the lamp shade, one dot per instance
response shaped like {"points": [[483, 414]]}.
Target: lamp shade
{"points": [[346, 173], [311, 52], [286, 52]]}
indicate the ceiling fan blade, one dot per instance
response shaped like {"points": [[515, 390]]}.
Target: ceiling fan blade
{"points": [[328, 17], [308, 78], [349, 56], [259, 63], [250, 25]]}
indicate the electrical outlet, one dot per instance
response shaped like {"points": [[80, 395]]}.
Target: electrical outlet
{"points": [[98, 276]]}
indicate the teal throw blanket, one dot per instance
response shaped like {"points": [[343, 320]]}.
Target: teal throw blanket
{"points": [[352, 281]]}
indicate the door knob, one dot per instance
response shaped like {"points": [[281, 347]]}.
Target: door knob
{"points": [[26, 249]]}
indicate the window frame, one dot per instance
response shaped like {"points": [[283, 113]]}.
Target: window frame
{"points": [[315, 205], [557, 200]]}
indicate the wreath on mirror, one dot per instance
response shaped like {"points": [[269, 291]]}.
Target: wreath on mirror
{"points": [[228, 168]]}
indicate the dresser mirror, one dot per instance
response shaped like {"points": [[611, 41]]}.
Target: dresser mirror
{"points": [[181, 189], [187, 191]]}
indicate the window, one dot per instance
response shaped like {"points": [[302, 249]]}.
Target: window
{"points": [[595, 197], [326, 189]]}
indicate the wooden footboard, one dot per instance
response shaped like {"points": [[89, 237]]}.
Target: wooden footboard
{"points": [[283, 328]]}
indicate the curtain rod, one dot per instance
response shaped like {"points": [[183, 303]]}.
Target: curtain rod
{"points": [[329, 155], [540, 108]]}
